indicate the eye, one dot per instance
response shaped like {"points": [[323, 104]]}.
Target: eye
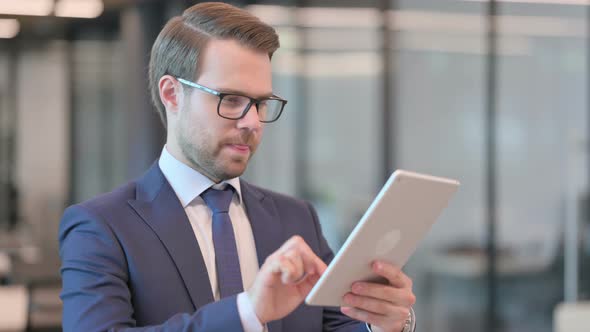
{"points": [[234, 100]]}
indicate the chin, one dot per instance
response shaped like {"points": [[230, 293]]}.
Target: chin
{"points": [[233, 171]]}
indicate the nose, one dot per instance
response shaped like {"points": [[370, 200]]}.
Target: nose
{"points": [[250, 120]]}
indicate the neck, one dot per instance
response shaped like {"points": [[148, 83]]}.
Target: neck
{"points": [[175, 151]]}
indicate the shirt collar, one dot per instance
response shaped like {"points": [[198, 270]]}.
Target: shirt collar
{"points": [[188, 183]]}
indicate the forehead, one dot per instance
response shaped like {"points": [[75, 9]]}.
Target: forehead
{"points": [[226, 64]]}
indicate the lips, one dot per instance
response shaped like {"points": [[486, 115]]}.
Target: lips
{"points": [[242, 144], [243, 148]]}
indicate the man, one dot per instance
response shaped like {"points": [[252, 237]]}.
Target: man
{"points": [[190, 246]]}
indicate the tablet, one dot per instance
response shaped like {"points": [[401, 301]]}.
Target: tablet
{"points": [[399, 217]]}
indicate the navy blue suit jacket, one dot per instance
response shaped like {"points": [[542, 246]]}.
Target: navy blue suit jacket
{"points": [[130, 261]]}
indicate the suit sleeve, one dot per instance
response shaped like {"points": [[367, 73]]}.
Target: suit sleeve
{"points": [[95, 291], [333, 319]]}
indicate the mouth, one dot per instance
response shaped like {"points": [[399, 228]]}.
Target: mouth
{"points": [[240, 148]]}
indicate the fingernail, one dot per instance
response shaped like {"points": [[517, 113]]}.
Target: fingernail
{"points": [[345, 310], [378, 266]]}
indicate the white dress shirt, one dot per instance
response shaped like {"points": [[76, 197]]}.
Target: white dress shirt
{"points": [[188, 184]]}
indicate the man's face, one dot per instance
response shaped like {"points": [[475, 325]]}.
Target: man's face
{"points": [[217, 147]]}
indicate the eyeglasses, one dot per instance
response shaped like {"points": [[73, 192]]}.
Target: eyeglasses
{"points": [[235, 106]]}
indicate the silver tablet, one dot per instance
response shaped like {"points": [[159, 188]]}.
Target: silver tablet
{"points": [[399, 217]]}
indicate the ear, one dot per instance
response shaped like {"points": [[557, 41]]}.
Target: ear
{"points": [[171, 93]]}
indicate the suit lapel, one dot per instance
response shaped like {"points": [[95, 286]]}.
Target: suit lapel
{"points": [[159, 207], [157, 204], [266, 227]]}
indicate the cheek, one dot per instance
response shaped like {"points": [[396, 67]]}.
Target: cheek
{"points": [[190, 130], [260, 134], [203, 132]]}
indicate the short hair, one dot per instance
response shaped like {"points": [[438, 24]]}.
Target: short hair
{"points": [[177, 49]]}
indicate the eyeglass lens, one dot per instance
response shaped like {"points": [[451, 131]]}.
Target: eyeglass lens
{"points": [[233, 106]]}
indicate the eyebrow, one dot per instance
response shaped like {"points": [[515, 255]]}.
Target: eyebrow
{"points": [[242, 93]]}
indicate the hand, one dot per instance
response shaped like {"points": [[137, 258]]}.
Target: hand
{"points": [[284, 280], [383, 306]]}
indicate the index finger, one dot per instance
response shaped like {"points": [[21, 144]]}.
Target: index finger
{"points": [[312, 263]]}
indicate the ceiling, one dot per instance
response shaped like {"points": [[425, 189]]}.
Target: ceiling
{"points": [[51, 27]]}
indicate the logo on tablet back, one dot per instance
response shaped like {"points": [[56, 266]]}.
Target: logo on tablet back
{"points": [[388, 242]]}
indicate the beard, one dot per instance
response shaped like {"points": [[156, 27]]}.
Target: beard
{"points": [[203, 149]]}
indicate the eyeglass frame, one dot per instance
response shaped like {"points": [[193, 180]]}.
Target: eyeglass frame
{"points": [[221, 95]]}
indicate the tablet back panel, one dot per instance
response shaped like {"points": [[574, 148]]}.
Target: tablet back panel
{"points": [[399, 217]]}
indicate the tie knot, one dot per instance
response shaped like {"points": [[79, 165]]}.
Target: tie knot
{"points": [[218, 200]]}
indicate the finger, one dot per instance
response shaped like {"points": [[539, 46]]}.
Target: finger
{"points": [[291, 273], [392, 273], [397, 296], [384, 322], [312, 280], [301, 278], [313, 264], [294, 241], [307, 284], [295, 258], [370, 304], [298, 257], [283, 266]]}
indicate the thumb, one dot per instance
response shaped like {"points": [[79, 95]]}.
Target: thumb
{"points": [[306, 286]]}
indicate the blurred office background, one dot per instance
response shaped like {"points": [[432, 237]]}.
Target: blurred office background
{"points": [[494, 94]]}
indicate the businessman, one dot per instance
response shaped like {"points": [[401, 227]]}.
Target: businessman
{"points": [[190, 246]]}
